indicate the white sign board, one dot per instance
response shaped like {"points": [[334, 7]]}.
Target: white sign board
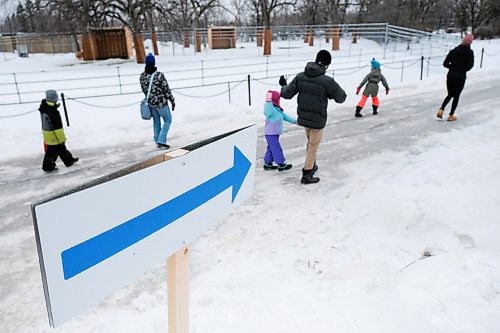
{"points": [[94, 241]]}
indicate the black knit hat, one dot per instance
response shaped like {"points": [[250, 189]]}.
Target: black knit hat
{"points": [[324, 58]]}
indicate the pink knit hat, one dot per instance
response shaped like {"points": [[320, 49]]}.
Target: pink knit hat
{"points": [[274, 97], [468, 39]]}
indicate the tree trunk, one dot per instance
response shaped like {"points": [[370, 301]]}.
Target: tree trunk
{"points": [[198, 41], [267, 41], [75, 39], [187, 39], [140, 52], [154, 40], [336, 39]]}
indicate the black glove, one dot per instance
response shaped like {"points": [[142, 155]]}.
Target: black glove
{"points": [[282, 81]]}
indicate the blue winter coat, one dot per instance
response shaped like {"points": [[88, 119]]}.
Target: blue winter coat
{"points": [[274, 119]]}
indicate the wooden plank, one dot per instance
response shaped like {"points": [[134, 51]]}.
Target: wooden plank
{"points": [[178, 291]]}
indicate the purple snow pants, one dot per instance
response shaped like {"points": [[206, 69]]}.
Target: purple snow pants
{"points": [[274, 153]]}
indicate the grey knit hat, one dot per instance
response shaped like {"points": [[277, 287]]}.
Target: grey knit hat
{"points": [[51, 96]]}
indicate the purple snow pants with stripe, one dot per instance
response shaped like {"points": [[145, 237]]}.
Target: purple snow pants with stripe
{"points": [[274, 153]]}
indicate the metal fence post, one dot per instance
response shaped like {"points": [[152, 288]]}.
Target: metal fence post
{"points": [[119, 79], [267, 66], [202, 76], [421, 67], [402, 69], [229, 91], [386, 37], [249, 93], [17, 88], [428, 65], [288, 36], [65, 110], [482, 53], [173, 44]]}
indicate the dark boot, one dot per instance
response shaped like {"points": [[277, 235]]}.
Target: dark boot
{"points": [[48, 165], [269, 166], [358, 112], [375, 109], [315, 168], [308, 177], [284, 166]]}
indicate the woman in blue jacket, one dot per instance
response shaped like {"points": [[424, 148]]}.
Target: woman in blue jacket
{"points": [[272, 130]]}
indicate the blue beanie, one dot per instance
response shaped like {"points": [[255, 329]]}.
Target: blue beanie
{"points": [[150, 60], [375, 64]]}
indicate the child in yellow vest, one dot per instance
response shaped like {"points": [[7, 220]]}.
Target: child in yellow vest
{"points": [[53, 133]]}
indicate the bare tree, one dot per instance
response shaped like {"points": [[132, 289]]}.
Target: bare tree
{"points": [[200, 7], [311, 12], [478, 11], [267, 8]]}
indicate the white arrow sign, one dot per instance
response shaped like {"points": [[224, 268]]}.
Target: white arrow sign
{"points": [[94, 241]]}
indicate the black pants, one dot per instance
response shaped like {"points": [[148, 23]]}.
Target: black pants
{"points": [[51, 155], [455, 87]]}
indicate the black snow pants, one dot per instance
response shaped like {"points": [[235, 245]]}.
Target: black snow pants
{"points": [[51, 155]]}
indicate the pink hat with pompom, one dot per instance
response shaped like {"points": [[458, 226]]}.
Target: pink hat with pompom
{"points": [[274, 97], [467, 40]]}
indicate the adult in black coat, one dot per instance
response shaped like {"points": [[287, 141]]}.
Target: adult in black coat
{"points": [[459, 61], [314, 89]]}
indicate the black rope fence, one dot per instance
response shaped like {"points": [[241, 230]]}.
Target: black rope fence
{"points": [[18, 115]]}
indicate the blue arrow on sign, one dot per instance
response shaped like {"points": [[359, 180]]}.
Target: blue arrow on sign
{"points": [[81, 257]]}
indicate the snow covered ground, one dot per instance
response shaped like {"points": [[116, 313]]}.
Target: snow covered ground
{"points": [[400, 235]]}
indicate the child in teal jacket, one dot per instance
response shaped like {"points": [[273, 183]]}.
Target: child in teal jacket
{"points": [[272, 130]]}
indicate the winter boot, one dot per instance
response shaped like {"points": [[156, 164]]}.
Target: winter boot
{"points": [[315, 168], [358, 110], [439, 114], [284, 166], [308, 177], [162, 145], [269, 166], [72, 161], [452, 118], [375, 109], [48, 165], [50, 170]]}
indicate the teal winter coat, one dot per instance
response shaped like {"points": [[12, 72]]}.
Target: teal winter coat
{"points": [[274, 119]]}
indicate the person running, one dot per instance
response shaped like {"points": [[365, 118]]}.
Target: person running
{"points": [[459, 61], [314, 89]]}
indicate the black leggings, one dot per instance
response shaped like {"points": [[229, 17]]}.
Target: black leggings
{"points": [[455, 87]]}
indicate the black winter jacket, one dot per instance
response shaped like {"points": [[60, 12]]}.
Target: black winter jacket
{"points": [[314, 89], [52, 127], [459, 61]]}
